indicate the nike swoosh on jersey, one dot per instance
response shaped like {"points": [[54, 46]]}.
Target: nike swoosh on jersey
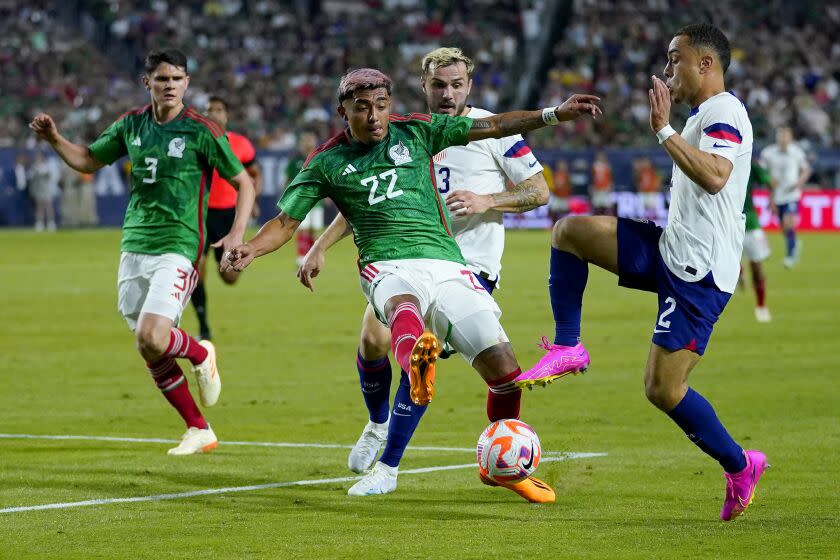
{"points": [[533, 163], [716, 145], [658, 331]]}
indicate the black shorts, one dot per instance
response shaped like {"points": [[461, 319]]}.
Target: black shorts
{"points": [[219, 222]]}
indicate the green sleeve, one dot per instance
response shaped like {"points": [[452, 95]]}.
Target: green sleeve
{"points": [[762, 177], [110, 146], [293, 168], [304, 192], [442, 131], [220, 156]]}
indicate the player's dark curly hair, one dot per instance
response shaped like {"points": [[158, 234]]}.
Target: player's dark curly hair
{"points": [[709, 36], [218, 99], [168, 56]]}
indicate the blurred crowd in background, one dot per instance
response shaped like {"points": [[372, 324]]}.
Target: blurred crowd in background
{"points": [[278, 62]]}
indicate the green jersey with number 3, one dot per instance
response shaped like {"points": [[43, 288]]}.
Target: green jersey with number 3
{"points": [[171, 168], [386, 191]]}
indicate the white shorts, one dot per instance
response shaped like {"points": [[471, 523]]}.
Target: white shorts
{"points": [[314, 220], [756, 248], [159, 284], [453, 303]]}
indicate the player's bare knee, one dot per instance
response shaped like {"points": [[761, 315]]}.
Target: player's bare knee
{"points": [[151, 342], [567, 232], [372, 343], [496, 362], [662, 395], [392, 304]]}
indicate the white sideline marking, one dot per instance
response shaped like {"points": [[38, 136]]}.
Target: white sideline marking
{"points": [[251, 443], [232, 489]]}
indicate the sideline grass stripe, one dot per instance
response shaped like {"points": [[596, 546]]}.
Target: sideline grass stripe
{"points": [[251, 488], [248, 443]]}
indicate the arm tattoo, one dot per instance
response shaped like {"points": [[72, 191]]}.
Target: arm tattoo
{"points": [[525, 196], [481, 124]]}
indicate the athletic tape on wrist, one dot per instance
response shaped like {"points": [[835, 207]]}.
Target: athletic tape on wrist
{"points": [[549, 117], [665, 132]]}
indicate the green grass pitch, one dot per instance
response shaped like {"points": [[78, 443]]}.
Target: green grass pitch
{"points": [[68, 367]]}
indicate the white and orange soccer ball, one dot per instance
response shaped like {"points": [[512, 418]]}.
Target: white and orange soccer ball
{"points": [[508, 451]]}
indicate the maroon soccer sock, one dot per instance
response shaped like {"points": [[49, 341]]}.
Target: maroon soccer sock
{"points": [[169, 378], [406, 328], [182, 345], [504, 397]]}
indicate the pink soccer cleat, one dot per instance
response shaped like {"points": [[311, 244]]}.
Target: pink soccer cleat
{"points": [[558, 362], [740, 487]]}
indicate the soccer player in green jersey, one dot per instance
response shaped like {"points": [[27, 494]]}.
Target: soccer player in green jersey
{"points": [[756, 248], [380, 174], [173, 150]]}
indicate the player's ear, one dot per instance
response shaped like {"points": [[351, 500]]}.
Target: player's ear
{"points": [[706, 62], [146, 83], [342, 112]]}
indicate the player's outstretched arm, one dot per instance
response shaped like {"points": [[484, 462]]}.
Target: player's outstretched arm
{"points": [[273, 235], [75, 155], [709, 171], [244, 208], [526, 195], [519, 122], [313, 262]]}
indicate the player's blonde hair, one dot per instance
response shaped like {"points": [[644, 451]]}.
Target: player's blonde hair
{"points": [[445, 56]]}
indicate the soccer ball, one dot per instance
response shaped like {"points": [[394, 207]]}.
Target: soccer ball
{"points": [[508, 451]]}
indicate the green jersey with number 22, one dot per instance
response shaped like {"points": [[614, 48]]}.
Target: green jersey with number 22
{"points": [[387, 191]]}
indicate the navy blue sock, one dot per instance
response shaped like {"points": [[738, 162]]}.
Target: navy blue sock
{"points": [[375, 379], [790, 241], [698, 420], [404, 419], [566, 281]]}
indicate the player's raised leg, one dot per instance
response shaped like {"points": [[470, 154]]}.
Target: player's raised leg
{"points": [[416, 352], [375, 380], [415, 349], [575, 241]]}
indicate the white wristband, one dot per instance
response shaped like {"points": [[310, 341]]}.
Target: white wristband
{"points": [[665, 132], [549, 117]]}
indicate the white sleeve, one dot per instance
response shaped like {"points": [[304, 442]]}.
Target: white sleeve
{"points": [[722, 131], [803, 158], [515, 158], [762, 159]]}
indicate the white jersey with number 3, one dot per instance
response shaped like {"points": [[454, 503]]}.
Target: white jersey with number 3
{"points": [[483, 167], [705, 232]]}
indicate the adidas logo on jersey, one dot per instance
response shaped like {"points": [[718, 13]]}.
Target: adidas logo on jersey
{"points": [[136, 142], [349, 169]]}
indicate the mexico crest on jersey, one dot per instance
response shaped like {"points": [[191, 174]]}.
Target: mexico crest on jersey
{"points": [[399, 153], [176, 147]]}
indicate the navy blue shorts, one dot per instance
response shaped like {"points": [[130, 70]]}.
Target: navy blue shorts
{"points": [[485, 283], [687, 310], [788, 208]]}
